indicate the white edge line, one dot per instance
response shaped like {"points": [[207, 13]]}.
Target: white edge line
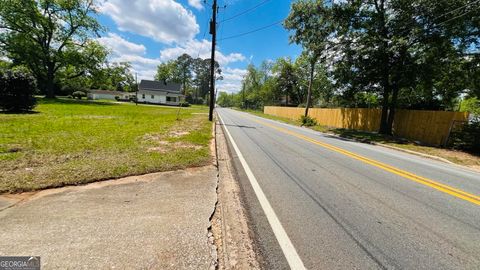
{"points": [[286, 245]]}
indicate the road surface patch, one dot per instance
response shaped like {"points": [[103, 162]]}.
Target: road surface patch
{"points": [[413, 177]]}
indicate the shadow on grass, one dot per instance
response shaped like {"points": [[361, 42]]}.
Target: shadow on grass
{"points": [[19, 112], [74, 101]]}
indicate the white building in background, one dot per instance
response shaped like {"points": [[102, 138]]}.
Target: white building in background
{"points": [[158, 92], [109, 95]]}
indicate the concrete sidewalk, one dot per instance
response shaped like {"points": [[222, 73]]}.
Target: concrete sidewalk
{"points": [[155, 221]]}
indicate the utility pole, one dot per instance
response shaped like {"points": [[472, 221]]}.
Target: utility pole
{"points": [[213, 31]]}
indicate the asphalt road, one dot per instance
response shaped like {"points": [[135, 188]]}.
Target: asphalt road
{"points": [[321, 202]]}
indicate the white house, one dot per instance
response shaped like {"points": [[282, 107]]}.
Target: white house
{"points": [[157, 92], [110, 95]]}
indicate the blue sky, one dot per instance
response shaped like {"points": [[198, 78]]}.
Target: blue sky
{"points": [[148, 32]]}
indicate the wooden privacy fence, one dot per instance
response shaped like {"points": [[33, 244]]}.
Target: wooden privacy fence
{"points": [[431, 127]]}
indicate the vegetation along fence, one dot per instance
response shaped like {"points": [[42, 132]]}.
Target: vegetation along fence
{"points": [[431, 127]]}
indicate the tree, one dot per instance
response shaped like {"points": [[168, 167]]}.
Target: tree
{"points": [[201, 81], [398, 48], [189, 72], [225, 100], [185, 66], [310, 23], [321, 89], [48, 35], [167, 72], [286, 81], [108, 76], [120, 76]]}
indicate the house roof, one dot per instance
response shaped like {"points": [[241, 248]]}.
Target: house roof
{"points": [[159, 86]]}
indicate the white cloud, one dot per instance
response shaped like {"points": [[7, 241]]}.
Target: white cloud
{"points": [[232, 80], [165, 21], [202, 49], [121, 46], [126, 51], [196, 4]]}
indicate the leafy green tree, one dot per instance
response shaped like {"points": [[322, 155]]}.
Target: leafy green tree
{"points": [[184, 64], [226, 100], [287, 81], [398, 49], [193, 74], [322, 90], [471, 105], [48, 35], [311, 25], [167, 71]]}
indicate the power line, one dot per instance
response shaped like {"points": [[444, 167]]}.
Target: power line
{"points": [[245, 11], [469, 4], [434, 21], [443, 15], [350, 42], [458, 16], [207, 25], [254, 30], [220, 28]]}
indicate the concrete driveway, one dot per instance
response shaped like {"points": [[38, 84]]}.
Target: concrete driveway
{"points": [[156, 221]]}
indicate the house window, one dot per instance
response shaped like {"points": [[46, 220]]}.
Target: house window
{"points": [[172, 99], [153, 96], [143, 96]]}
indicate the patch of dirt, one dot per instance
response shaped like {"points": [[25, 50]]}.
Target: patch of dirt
{"points": [[168, 146], [161, 143], [178, 133], [458, 157]]}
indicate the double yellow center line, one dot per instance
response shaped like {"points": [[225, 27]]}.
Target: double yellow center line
{"points": [[410, 176]]}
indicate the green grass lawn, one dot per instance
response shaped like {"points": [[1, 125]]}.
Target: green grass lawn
{"points": [[454, 156], [72, 142]]}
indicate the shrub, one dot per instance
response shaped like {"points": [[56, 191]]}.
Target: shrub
{"points": [[17, 91], [308, 121], [184, 104], [79, 94], [117, 98], [200, 100], [467, 137]]}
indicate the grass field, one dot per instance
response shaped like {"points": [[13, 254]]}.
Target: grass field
{"points": [[73, 142], [457, 157]]}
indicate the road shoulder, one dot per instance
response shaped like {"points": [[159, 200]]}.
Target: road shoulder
{"points": [[233, 237]]}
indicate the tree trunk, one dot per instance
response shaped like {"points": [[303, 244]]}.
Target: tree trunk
{"points": [[385, 62], [50, 86], [310, 84], [392, 108], [384, 117]]}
